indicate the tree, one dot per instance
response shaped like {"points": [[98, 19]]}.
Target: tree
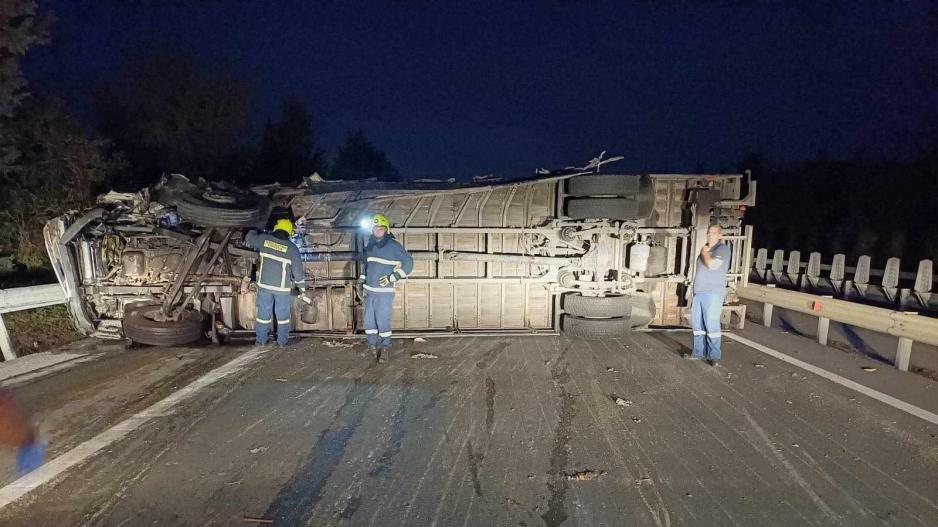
{"points": [[168, 116], [21, 27], [58, 169], [288, 148], [359, 159]]}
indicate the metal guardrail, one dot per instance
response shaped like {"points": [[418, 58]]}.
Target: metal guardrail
{"points": [[22, 298], [893, 288], [908, 327], [848, 295]]}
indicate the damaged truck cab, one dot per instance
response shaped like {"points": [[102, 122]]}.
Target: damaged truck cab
{"points": [[587, 253]]}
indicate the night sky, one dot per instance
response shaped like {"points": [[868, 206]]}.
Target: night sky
{"points": [[457, 89]]}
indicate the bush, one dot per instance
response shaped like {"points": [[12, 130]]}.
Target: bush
{"points": [[40, 329]]}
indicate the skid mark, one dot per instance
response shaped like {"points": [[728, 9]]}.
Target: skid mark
{"points": [[792, 472]]}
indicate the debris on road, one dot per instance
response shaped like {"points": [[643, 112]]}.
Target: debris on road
{"points": [[420, 339], [423, 356], [280, 379], [867, 368], [622, 402], [584, 475], [758, 365], [643, 479], [259, 449], [337, 344], [250, 519], [636, 419], [610, 369]]}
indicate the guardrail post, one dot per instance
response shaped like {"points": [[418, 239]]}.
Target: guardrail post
{"points": [[767, 313], [794, 268], [837, 276], [823, 327], [923, 282], [778, 264], [903, 353], [812, 275], [890, 283], [6, 345]]}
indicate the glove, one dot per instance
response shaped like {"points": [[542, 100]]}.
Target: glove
{"points": [[361, 279], [305, 298], [387, 280], [30, 456]]}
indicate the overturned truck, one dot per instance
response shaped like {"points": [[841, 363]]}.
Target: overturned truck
{"points": [[586, 252]]}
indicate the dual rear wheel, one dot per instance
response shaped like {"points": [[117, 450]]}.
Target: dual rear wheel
{"points": [[611, 316]]}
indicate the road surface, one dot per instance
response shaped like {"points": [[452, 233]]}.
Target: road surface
{"points": [[515, 431]]}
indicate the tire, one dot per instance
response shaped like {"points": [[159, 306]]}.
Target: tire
{"points": [[140, 326], [578, 305], [595, 328], [608, 209], [244, 210], [609, 185]]}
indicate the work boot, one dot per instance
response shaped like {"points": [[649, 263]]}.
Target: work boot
{"points": [[369, 352], [383, 355]]}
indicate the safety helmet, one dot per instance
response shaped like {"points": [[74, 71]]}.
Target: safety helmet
{"points": [[378, 220], [284, 225]]}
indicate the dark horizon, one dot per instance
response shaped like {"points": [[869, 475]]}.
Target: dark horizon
{"points": [[463, 91]]}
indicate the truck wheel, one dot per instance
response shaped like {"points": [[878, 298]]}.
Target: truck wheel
{"points": [[142, 324], [595, 328], [609, 185], [608, 208], [578, 305], [220, 209]]}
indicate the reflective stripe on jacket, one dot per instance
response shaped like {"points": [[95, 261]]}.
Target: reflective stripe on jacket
{"points": [[280, 265], [383, 258]]}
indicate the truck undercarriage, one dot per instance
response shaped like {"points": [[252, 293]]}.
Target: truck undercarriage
{"points": [[588, 253]]}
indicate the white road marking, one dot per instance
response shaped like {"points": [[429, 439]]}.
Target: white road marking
{"points": [[910, 409], [89, 448]]}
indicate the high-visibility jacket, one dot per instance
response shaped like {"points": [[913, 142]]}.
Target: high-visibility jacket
{"points": [[384, 257], [280, 264]]}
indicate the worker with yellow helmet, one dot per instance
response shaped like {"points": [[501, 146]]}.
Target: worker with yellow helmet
{"points": [[279, 269], [384, 263]]}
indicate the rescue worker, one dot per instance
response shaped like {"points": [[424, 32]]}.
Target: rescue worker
{"points": [[385, 262], [709, 292], [279, 269]]}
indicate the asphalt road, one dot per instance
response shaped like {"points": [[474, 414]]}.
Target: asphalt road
{"points": [[522, 431]]}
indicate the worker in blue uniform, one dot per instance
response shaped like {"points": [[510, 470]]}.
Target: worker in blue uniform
{"points": [[709, 293], [385, 262], [279, 269]]}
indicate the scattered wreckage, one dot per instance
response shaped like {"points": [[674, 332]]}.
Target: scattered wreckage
{"points": [[584, 251]]}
